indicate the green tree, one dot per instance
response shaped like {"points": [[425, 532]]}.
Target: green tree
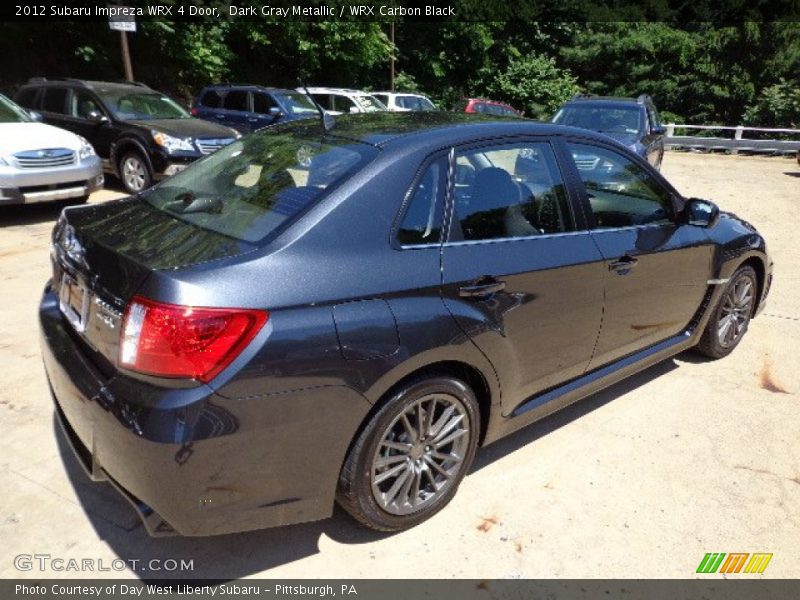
{"points": [[534, 84]]}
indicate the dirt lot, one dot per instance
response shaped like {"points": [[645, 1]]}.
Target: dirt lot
{"points": [[642, 480]]}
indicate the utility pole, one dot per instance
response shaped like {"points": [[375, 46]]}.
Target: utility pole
{"points": [[126, 55], [120, 20], [391, 67]]}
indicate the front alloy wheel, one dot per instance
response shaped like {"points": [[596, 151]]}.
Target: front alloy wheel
{"points": [[134, 173], [411, 455], [731, 317], [735, 314]]}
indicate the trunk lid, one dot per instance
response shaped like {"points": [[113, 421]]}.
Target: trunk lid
{"points": [[103, 253]]}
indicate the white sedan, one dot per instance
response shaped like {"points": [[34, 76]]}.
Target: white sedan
{"points": [[40, 163]]}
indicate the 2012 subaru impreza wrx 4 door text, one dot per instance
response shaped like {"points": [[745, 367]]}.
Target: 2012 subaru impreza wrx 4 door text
{"points": [[316, 314]]}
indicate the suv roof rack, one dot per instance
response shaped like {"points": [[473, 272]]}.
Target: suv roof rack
{"points": [[128, 82], [46, 79]]}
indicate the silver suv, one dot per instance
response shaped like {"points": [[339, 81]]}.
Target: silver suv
{"points": [[40, 163]]}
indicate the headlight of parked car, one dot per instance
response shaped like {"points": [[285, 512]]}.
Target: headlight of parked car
{"points": [[172, 144], [86, 149]]}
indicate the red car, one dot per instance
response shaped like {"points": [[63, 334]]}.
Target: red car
{"points": [[492, 107]]}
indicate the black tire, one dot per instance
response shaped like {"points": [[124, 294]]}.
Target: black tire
{"points": [[134, 172], [712, 344], [359, 486]]}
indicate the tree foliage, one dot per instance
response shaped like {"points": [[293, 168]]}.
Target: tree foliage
{"points": [[696, 72]]}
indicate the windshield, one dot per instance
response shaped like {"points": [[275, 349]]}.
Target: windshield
{"points": [[11, 113], [297, 103], [605, 119], [142, 106], [250, 188], [370, 103]]}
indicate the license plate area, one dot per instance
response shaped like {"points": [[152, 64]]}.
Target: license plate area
{"points": [[73, 300]]}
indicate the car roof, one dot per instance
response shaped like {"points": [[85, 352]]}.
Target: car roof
{"points": [[396, 93], [599, 101], [609, 103], [388, 129], [245, 86], [327, 90], [102, 86]]}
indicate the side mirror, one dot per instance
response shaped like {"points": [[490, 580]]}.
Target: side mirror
{"points": [[97, 116], [660, 130], [700, 213], [275, 112], [37, 117]]}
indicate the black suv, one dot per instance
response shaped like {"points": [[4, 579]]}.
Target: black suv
{"points": [[140, 134], [633, 122]]}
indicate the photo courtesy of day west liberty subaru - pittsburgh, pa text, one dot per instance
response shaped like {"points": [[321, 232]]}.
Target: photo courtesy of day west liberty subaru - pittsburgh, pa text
{"points": [[284, 12]]}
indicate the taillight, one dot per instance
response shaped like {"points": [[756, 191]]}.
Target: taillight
{"points": [[194, 111], [185, 341]]}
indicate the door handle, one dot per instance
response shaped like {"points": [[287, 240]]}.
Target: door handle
{"points": [[220, 116], [623, 265], [479, 290], [252, 119]]}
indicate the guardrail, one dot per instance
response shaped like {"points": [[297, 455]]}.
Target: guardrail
{"points": [[735, 144]]}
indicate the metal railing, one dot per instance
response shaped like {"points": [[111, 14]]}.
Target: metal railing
{"points": [[737, 143]]}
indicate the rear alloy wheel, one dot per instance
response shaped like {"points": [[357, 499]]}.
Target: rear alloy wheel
{"points": [[134, 173], [730, 319], [411, 456]]}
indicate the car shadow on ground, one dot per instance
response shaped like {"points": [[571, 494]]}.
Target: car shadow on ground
{"points": [[792, 173], [234, 556], [32, 214]]}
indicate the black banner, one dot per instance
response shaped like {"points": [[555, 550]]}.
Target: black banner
{"points": [[518, 589]]}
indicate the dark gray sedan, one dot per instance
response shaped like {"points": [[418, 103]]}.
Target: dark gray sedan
{"points": [[315, 314]]}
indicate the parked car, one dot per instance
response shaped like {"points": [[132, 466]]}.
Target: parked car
{"points": [[633, 122], [250, 107], [248, 341], [40, 163], [404, 101], [339, 101], [141, 135], [490, 107]]}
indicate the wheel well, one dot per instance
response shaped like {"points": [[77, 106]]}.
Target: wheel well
{"points": [[467, 373], [122, 148], [758, 267]]}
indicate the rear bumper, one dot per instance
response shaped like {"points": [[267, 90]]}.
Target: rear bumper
{"points": [[190, 461]]}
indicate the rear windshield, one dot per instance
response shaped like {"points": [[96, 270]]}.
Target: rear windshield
{"points": [[606, 119], [254, 186]]}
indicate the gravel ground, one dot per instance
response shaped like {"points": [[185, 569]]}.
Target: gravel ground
{"points": [[641, 480]]}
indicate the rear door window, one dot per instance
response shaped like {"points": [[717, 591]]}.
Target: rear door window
{"points": [[27, 98], [422, 221], [509, 191], [236, 100], [55, 100], [211, 99]]}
